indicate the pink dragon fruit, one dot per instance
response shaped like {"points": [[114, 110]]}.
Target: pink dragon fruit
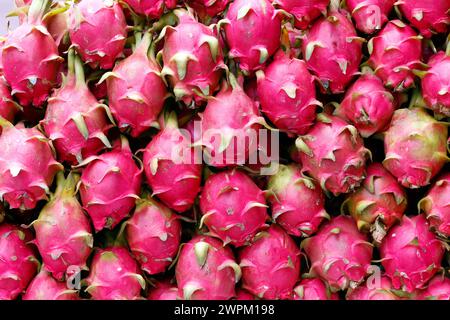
{"points": [[253, 30], [57, 25], [437, 289], [428, 16], [21, 3], [75, 121], [411, 254], [370, 16], [109, 186], [62, 244], [18, 264], [297, 201], [8, 108], [114, 276], [368, 291], [97, 45], [415, 146], [206, 270], [367, 105], [287, 94], [207, 9], [304, 12], [270, 265], [45, 287], [30, 58], [313, 289], [242, 294], [394, 53], [332, 51], [153, 9], [333, 153], [339, 253], [172, 168], [378, 204], [193, 59], [233, 207], [436, 205], [163, 290], [23, 180]]}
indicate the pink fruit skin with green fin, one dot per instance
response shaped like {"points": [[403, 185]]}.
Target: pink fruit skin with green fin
{"points": [[383, 292], [114, 276], [207, 8], [23, 180], [367, 105], [332, 51], [270, 265], [411, 254], [242, 294], [206, 270], [45, 287], [153, 234], [233, 207], [333, 153], [15, 274], [8, 109], [153, 9], [97, 45], [313, 289], [253, 30], [370, 16], [415, 146], [287, 94], [297, 202], [304, 12], [394, 53], [339, 253], [437, 289], [163, 290]]}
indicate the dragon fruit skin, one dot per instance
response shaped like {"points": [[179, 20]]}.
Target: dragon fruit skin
{"points": [[153, 234], [253, 30], [114, 276], [242, 294], [163, 290], [378, 204], [153, 9], [207, 8], [370, 16], [18, 264], [297, 202], [287, 94], [367, 105], [411, 254], [339, 253], [233, 207], [45, 287], [62, 244], [437, 289], [206, 270], [383, 292], [313, 289], [415, 146], [23, 180], [8, 109], [304, 12], [394, 53], [332, 51], [333, 153], [97, 45], [436, 205], [109, 186], [428, 16]]}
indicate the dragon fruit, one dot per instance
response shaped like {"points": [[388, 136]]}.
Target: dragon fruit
{"points": [[153, 234], [163, 290], [109, 186], [383, 292], [332, 51], [153, 9], [45, 287], [436, 205], [62, 244], [75, 121], [428, 16], [23, 180], [97, 45], [18, 264], [367, 105], [339, 253], [206, 270], [378, 204], [415, 146], [297, 202], [304, 12], [437, 289], [193, 59], [287, 94], [394, 53], [207, 9], [242, 294], [370, 16], [253, 30], [57, 25], [8, 108], [21, 3], [114, 276], [233, 207], [411, 254], [333, 153], [30, 58], [172, 168], [313, 289]]}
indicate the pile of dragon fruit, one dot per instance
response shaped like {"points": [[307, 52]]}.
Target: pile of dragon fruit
{"points": [[132, 164]]}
